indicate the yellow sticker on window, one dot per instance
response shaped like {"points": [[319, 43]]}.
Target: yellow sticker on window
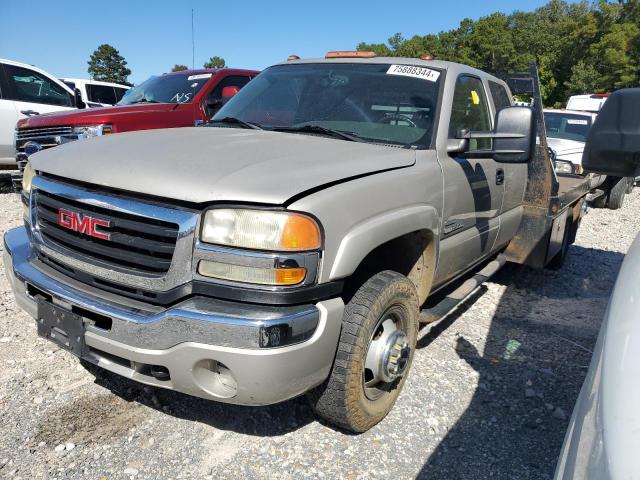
{"points": [[475, 97]]}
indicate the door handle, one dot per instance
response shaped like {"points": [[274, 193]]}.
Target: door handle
{"points": [[29, 113], [499, 176]]}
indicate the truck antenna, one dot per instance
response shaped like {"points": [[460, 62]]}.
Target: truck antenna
{"points": [[193, 44]]}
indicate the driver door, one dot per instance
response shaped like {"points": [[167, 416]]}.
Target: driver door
{"points": [[473, 187]]}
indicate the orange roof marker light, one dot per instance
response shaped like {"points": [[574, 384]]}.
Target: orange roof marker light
{"points": [[350, 54], [292, 57], [426, 56]]}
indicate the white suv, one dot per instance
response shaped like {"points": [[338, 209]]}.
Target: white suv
{"points": [[26, 90], [95, 93]]}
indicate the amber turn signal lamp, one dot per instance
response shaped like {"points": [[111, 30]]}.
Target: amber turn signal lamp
{"points": [[300, 233]]}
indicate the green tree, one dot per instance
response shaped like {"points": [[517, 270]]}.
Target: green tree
{"points": [[215, 62], [584, 78], [580, 47], [107, 65], [380, 49], [178, 67]]}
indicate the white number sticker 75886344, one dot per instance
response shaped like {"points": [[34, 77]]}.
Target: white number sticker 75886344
{"points": [[415, 72]]}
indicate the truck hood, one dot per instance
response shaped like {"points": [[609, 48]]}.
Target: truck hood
{"points": [[212, 164], [92, 116], [564, 147]]}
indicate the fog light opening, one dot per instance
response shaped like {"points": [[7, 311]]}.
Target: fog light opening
{"points": [[215, 378]]}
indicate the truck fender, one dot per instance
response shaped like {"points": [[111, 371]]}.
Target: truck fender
{"points": [[365, 236]]}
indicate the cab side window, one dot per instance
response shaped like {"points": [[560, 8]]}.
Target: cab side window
{"points": [[27, 85], [215, 97], [101, 94], [470, 110], [500, 96]]}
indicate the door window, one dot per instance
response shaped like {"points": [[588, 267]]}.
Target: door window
{"points": [[215, 97], [101, 94], [119, 92], [470, 111], [26, 85], [500, 96]]}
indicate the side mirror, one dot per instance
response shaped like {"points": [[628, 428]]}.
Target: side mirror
{"points": [[228, 92], [77, 99], [613, 144], [513, 137]]}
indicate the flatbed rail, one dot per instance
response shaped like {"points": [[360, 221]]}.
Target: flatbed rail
{"points": [[552, 203]]}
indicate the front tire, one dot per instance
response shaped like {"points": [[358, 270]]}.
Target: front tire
{"points": [[375, 351]]}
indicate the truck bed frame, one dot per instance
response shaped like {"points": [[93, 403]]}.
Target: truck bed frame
{"points": [[552, 203]]}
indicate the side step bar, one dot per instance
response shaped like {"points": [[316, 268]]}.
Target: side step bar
{"points": [[459, 295]]}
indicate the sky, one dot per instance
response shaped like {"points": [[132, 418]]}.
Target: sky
{"points": [[59, 37]]}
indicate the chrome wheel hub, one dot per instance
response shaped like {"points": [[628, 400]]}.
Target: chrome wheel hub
{"points": [[387, 357]]}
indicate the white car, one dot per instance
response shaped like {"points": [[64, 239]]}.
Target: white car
{"points": [[603, 438], [26, 90], [587, 103], [95, 93], [567, 132]]}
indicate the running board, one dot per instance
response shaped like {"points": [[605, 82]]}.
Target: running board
{"points": [[464, 291]]}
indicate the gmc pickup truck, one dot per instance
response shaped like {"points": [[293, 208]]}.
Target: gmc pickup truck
{"points": [[178, 99], [316, 214]]}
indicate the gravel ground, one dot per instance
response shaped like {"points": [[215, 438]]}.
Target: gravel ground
{"points": [[489, 395]]}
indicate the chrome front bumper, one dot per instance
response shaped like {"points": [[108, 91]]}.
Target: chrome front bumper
{"points": [[202, 342]]}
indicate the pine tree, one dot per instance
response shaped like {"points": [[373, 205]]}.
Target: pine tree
{"points": [[107, 65]]}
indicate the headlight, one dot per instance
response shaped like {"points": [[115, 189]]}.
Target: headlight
{"points": [[563, 167], [91, 131], [27, 178], [261, 230]]}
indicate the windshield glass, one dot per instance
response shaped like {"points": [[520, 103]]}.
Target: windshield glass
{"points": [[172, 88], [379, 103], [567, 126]]}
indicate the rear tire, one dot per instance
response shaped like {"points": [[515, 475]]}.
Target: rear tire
{"points": [[375, 351], [631, 183], [617, 192], [557, 262]]}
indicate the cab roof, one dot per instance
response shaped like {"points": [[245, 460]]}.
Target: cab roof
{"points": [[198, 71], [452, 67]]}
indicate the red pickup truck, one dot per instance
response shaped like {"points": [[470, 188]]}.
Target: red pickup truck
{"points": [[178, 99]]}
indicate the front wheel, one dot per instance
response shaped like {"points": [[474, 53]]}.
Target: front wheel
{"points": [[375, 351]]}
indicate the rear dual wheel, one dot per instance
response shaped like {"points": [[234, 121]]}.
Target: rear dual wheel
{"points": [[376, 347]]}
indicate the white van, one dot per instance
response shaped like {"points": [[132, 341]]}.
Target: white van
{"points": [[95, 93], [587, 103], [26, 90]]}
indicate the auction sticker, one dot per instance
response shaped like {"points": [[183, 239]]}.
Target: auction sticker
{"points": [[572, 121], [199, 76], [415, 72]]}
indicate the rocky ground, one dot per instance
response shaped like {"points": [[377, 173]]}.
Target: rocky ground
{"points": [[489, 395]]}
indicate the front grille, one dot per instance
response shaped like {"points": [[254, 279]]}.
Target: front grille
{"points": [[137, 244], [35, 133], [46, 137]]}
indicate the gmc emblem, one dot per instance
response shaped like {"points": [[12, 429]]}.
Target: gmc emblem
{"points": [[83, 224]]}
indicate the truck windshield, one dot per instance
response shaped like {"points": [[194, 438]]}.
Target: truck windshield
{"points": [[170, 88], [567, 126], [377, 103]]}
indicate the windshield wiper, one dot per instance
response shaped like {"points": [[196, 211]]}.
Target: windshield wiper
{"points": [[236, 121], [350, 136], [143, 100]]}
